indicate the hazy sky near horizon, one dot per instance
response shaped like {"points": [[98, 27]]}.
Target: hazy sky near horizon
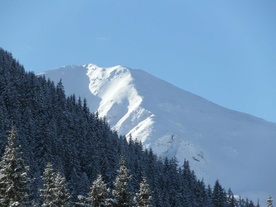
{"points": [[224, 51]]}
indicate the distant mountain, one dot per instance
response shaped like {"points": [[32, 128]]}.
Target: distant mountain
{"points": [[236, 148]]}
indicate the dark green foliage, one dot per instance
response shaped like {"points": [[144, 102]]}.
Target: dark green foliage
{"points": [[53, 128], [143, 197], [122, 193], [98, 195], [54, 191], [219, 195], [14, 181], [231, 201]]}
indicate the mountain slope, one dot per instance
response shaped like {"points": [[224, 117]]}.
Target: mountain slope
{"points": [[236, 148]]}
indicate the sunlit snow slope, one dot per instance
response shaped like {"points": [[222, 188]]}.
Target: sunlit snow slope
{"points": [[236, 148]]}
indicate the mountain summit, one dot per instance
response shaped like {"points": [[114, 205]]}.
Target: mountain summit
{"points": [[236, 148]]}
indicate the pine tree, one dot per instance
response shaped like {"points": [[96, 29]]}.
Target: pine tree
{"points": [[84, 184], [144, 198], [122, 195], [231, 202], [62, 194], [269, 201], [219, 197], [73, 182], [258, 203], [48, 191], [99, 192], [14, 181], [188, 184], [54, 193]]}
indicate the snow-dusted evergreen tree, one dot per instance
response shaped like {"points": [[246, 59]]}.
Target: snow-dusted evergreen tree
{"points": [[54, 192], [99, 193], [258, 203], [269, 201], [144, 198], [188, 185], [49, 188], [231, 201], [62, 194], [73, 183], [84, 184], [14, 181], [122, 195], [219, 196]]}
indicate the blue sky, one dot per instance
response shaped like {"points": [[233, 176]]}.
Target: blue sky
{"points": [[224, 51]]}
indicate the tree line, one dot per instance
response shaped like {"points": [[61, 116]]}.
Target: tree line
{"points": [[58, 135], [15, 185]]}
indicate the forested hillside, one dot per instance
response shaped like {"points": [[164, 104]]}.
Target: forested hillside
{"points": [[54, 141]]}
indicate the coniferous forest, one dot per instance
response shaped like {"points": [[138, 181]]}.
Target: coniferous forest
{"points": [[55, 152]]}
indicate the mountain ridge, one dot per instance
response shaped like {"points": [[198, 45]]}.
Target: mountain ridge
{"points": [[218, 142]]}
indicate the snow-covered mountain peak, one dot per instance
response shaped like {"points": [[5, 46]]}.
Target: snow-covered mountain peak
{"points": [[119, 98], [105, 77], [234, 147]]}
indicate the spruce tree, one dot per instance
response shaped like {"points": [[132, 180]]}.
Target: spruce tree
{"points": [[48, 191], [62, 194], [269, 201], [84, 184], [99, 192], [231, 201], [14, 181], [219, 197], [54, 192], [144, 198], [258, 203], [122, 195]]}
